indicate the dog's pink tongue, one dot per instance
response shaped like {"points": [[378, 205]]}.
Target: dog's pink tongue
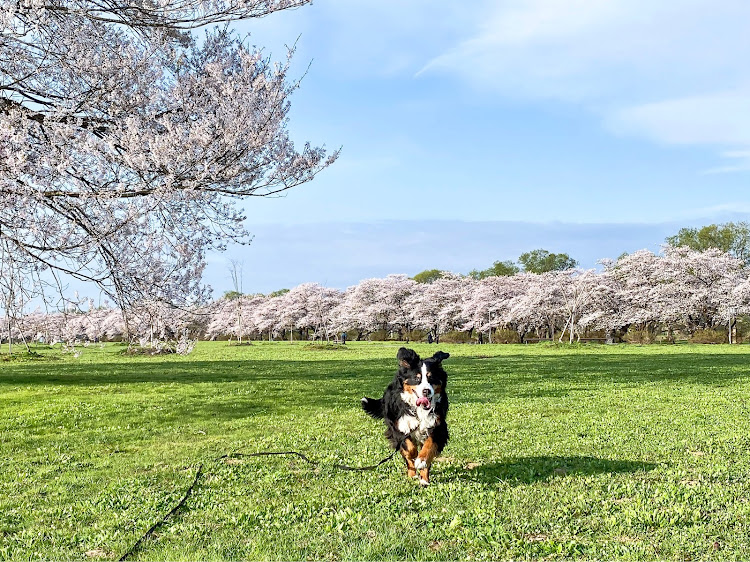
{"points": [[423, 401]]}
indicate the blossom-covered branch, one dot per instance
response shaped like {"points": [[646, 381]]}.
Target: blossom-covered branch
{"points": [[126, 141]]}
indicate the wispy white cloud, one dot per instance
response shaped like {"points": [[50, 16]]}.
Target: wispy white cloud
{"points": [[741, 159], [371, 38], [620, 49], [733, 211], [721, 118], [670, 72], [673, 71]]}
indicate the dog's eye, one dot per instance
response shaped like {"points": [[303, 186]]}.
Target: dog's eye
{"points": [[419, 378]]}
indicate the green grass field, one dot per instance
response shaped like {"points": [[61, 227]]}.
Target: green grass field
{"points": [[585, 452]]}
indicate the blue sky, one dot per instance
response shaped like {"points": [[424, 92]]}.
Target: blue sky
{"points": [[472, 132]]}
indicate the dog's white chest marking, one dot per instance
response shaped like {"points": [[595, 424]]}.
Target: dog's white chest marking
{"points": [[417, 427], [406, 424]]}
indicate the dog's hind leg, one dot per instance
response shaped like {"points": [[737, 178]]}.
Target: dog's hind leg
{"points": [[409, 451]]}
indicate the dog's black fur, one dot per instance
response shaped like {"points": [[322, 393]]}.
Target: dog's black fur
{"points": [[417, 429]]}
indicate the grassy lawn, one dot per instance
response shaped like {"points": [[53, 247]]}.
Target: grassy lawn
{"points": [[587, 452]]}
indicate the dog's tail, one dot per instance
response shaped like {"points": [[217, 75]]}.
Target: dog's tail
{"points": [[373, 406]]}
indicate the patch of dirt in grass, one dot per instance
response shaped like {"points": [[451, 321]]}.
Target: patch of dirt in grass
{"points": [[97, 553], [627, 540], [326, 347], [27, 356], [467, 466], [434, 546], [145, 351]]}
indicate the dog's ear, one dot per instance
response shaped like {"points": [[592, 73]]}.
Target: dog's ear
{"points": [[440, 356], [407, 358]]}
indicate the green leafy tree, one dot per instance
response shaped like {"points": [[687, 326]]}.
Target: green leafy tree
{"points": [[542, 261], [278, 293], [428, 276], [730, 237], [498, 269]]}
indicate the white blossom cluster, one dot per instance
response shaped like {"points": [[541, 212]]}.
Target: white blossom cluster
{"points": [[682, 289]]}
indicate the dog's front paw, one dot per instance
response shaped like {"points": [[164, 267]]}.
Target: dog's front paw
{"points": [[419, 464], [423, 482]]}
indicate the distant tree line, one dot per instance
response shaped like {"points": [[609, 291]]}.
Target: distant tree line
{"points": [[536, 261]]}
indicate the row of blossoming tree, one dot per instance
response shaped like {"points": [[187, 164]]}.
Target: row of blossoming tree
{"points": [[681, 291]]}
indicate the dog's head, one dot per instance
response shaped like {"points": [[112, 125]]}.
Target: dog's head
{"points": [[422, 378]]}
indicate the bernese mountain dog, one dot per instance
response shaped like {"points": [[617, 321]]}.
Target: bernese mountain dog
{"points": [[414, 407]]}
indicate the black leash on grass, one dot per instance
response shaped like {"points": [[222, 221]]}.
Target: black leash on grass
{"points": [[307, 460], [198, 473], [153, 527]]}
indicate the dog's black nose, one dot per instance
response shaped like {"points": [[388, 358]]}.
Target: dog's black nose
{"points": [[425, 392]]}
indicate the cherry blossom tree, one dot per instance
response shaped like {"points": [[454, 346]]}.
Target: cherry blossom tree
{"points": [[438, 306], [577, 290], [158, 324], [126, 140], [606, 310], [738, 305], [268, 316], [19, 283], [487, 301], [308, 307], [683, 288], [702, 284], [234, 317], [640, 280], [379, 304], [538, 308], [235, 271]]}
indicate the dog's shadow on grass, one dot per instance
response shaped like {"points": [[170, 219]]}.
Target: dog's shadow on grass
{"points": [[528, 470]]}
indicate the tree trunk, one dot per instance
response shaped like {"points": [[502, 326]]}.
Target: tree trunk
{"points": [[521, 336], [563, 332], [572, 325]]}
